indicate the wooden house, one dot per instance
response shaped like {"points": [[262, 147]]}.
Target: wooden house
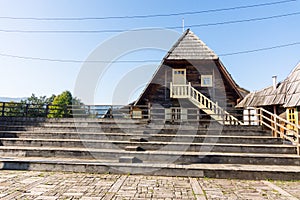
{"points": [[282, 99], [191, 76]]}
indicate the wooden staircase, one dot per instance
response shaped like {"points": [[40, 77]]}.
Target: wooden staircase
{"points": [[201, 101]]}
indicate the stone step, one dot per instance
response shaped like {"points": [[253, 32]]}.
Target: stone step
{"points": [[150, 137], [129, 159], [96, 127], [133, 148], [154, 156], [113, 123], [151, 145], [225, 171], [138, 139], [240, 132]]}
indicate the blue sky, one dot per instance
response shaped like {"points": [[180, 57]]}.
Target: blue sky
{"points": [[253, 71]]}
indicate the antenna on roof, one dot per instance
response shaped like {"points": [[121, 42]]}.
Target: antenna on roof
{"points": [[183, 25]]}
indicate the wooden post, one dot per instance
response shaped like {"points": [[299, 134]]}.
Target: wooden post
{"points": [[247, 116], [130, 112], [89, 110], [189, 89], [111, 112], [65, 108], [275, 126], [47, 110], [171, 90], [26, 110], [260, 117], [3, 108], [297, 141]]}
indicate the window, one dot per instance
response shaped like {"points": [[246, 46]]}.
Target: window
{"points": [[179, 72], [292, 116], [206, 81], [174, 114]]}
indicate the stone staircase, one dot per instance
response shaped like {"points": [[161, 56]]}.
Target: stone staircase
{"points": [[136, 147]]}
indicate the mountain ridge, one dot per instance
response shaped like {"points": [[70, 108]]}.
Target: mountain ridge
{"points": [[12, 99]]}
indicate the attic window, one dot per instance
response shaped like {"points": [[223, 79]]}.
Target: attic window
{"points": [[206, 81]]}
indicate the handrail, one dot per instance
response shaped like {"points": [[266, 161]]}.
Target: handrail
{"points": [[204, 103], [279, 127]]}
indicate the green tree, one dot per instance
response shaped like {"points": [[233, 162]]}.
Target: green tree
{"points": [[61, 106], [38, 100], [37, 106]]}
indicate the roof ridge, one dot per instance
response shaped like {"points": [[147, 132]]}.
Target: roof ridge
{"points": [[190, 46]]}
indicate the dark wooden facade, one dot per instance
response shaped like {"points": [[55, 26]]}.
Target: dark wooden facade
{"points": [[197, 59]]}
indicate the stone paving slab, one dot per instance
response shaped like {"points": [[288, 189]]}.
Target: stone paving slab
{"points": [[58, 185]]}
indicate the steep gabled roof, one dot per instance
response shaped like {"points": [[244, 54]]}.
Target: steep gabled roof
{"points": [[190, 47], [286, 93]]}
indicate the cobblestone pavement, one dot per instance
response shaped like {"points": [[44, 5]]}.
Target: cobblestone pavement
{"points": [[58, 185]]}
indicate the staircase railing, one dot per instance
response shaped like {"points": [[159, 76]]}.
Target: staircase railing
{"points": [[280, 127], [202, 102]]}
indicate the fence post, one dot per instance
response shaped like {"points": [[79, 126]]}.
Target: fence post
{"points": [[130, 111], [111, 112], [47, 110], [3, 109], [89, 110], [26, 110], [65, 108]]}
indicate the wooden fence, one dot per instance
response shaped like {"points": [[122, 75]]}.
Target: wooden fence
{"points": [[11, 109]]}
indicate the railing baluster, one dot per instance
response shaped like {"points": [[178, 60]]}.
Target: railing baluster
{"points": [[279, 126], [187, 91], [297, 141]]}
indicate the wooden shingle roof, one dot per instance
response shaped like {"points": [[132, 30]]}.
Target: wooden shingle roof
{"points": [[287, 93], [190, 47]]}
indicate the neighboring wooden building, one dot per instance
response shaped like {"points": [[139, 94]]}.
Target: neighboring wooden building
{"points": [[191, 75], [282, 99]]}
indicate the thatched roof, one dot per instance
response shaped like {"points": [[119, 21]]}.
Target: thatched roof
{"points": [[287, 93]]}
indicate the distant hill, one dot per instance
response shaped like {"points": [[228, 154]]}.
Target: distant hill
{"points": [[9, 99]]}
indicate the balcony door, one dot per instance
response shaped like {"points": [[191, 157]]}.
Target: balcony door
{"points": [[179, 76]]}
